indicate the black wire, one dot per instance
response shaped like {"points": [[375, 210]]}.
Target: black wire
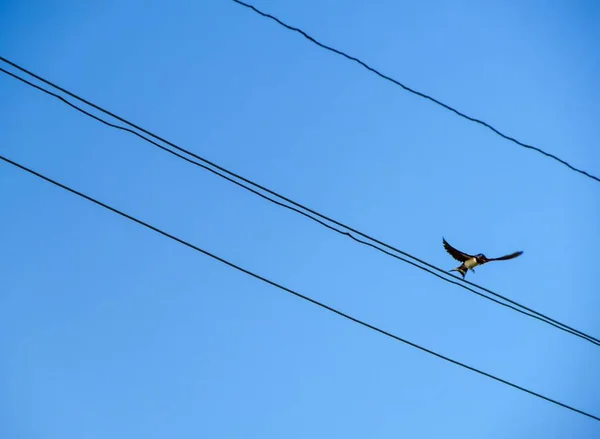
{"points": [[423, 95], [289, 290], [529, 312]]}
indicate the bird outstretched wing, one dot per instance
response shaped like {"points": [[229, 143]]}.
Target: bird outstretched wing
{"points": [[504, 258], [456, 254]]}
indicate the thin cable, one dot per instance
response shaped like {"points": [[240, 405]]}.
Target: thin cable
{"points": [[295, 293], [529, 312], [423, 95], [105, 122]]}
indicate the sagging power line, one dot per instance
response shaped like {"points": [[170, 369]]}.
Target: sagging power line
{"points": [[305, 211], [415, 92], [295, 293]]}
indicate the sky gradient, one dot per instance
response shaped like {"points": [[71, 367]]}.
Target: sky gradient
{"points": [[110, 330]]}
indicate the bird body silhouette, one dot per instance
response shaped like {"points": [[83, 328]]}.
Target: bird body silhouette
{"points": [[469, 262]]}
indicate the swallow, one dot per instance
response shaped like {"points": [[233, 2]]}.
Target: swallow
{"points": [[469, 262]]}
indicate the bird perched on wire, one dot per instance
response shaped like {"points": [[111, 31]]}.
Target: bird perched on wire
{"points": [[469, 262]]}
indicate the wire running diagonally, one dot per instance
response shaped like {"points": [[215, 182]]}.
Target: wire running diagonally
{"points": [[293, 292], [415, 92], [511, 304]]}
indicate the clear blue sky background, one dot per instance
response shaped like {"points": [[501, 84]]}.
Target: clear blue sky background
{"points": [[110, 330]]}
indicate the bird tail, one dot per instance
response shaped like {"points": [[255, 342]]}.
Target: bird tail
{"points": [[462, 270]]}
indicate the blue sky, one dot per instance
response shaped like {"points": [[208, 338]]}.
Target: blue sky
{"points": [[110, 330]]}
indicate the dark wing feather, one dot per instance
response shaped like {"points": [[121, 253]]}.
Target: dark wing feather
{"points": [[511, 256], [456, 254]]}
